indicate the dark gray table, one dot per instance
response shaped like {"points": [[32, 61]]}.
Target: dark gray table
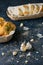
{"points": [[35, 26]]}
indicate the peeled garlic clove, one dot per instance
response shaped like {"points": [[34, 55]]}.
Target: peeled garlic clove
{"points": [[28, 45], [14, 53], [23, 49], [23, 44]]}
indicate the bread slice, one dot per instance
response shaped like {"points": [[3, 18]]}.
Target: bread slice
{"points": [[27, 11]]}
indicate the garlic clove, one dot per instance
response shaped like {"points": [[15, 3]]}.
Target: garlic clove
{"points": [[23, 49], [28, 46]]}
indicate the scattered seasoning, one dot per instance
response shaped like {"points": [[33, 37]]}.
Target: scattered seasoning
{"points": [[25, 28], [21, 24], [3, 53], [31, 40], [26, 61], [28, 54], [15, 53]]}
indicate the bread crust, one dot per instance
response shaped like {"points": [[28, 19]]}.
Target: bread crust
{"points": [[27, 11]]}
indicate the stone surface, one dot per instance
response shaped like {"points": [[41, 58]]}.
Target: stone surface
{"points": [[35, 26]]}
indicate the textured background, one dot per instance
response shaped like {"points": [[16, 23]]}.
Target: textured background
{"points": [[35, 27]]}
